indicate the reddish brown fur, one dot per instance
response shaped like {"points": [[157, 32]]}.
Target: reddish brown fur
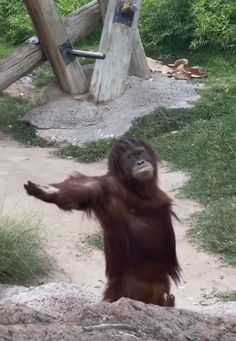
{"points": [[139, 240]]}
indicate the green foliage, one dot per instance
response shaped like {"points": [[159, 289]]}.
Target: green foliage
{"points": [[65, 7], [214, 228], [218, 296], [205, 149], [43, 75], [213, 23], [208, 152], [214, 103], [15, 23], [168, 25], [89, 152], [165, 25], [23, 256], [12, 110], [95, 240], [227, 296], [4, 49], [165, 22]]}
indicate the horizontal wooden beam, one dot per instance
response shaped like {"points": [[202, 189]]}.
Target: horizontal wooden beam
{"points": [[28, 56]]}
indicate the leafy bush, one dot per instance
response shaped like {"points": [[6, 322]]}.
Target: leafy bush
{"points": [[15, 23], [22, 250], [212, 22], [65, 7], [167, 24], [12, 109], [164, 25]]}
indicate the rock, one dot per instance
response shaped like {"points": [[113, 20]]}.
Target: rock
{"points": [[54, 299], [76, 120], [220, 309], [75, 316]]}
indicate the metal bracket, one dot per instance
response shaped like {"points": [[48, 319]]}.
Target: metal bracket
{"points": [[69, 54], [68, 58], [33, 40], [124, 12]]}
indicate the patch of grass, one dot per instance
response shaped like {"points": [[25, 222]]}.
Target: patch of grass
{"points": [[44, 75], [227, 296], [23, 256], [5, 49], [215, 102], [12, 109], [95, 240], [89, 152], [204, 149], [214, 228]]}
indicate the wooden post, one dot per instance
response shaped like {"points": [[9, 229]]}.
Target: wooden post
{"points": [[109, 76], [52, 35], [28, 56], [103, 7], [138, 65]]}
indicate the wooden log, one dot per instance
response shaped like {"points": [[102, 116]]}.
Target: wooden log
{"points": [[54, 38], [109, 76], [103, 7], [138, 65], [28, 56]]}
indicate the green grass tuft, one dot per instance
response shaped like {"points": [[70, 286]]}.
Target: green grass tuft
{"points": [[23, 256], [227, 296], [12, 109], [89, 152], [205, 150], [216, 102], [95, 240], [44, 76], [5, 49], [214, 228]]}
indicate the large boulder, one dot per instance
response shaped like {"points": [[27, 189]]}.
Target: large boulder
{"points": [[67, 312]]}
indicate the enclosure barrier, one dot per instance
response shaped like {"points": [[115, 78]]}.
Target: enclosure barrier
{"points": [[120, 50]]}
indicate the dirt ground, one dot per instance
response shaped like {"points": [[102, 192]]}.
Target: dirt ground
{"points": [[79, 263]]}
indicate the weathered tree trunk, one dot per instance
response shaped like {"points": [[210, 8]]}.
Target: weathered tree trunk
{"points": [[138, 65], [53, 37], [27, 57], [117, 43]]}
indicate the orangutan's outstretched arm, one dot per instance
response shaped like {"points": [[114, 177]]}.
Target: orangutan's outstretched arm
{"points": [[78, 192]]}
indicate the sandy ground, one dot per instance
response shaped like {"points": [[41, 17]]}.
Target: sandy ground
{"points": [[78, 263]]}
